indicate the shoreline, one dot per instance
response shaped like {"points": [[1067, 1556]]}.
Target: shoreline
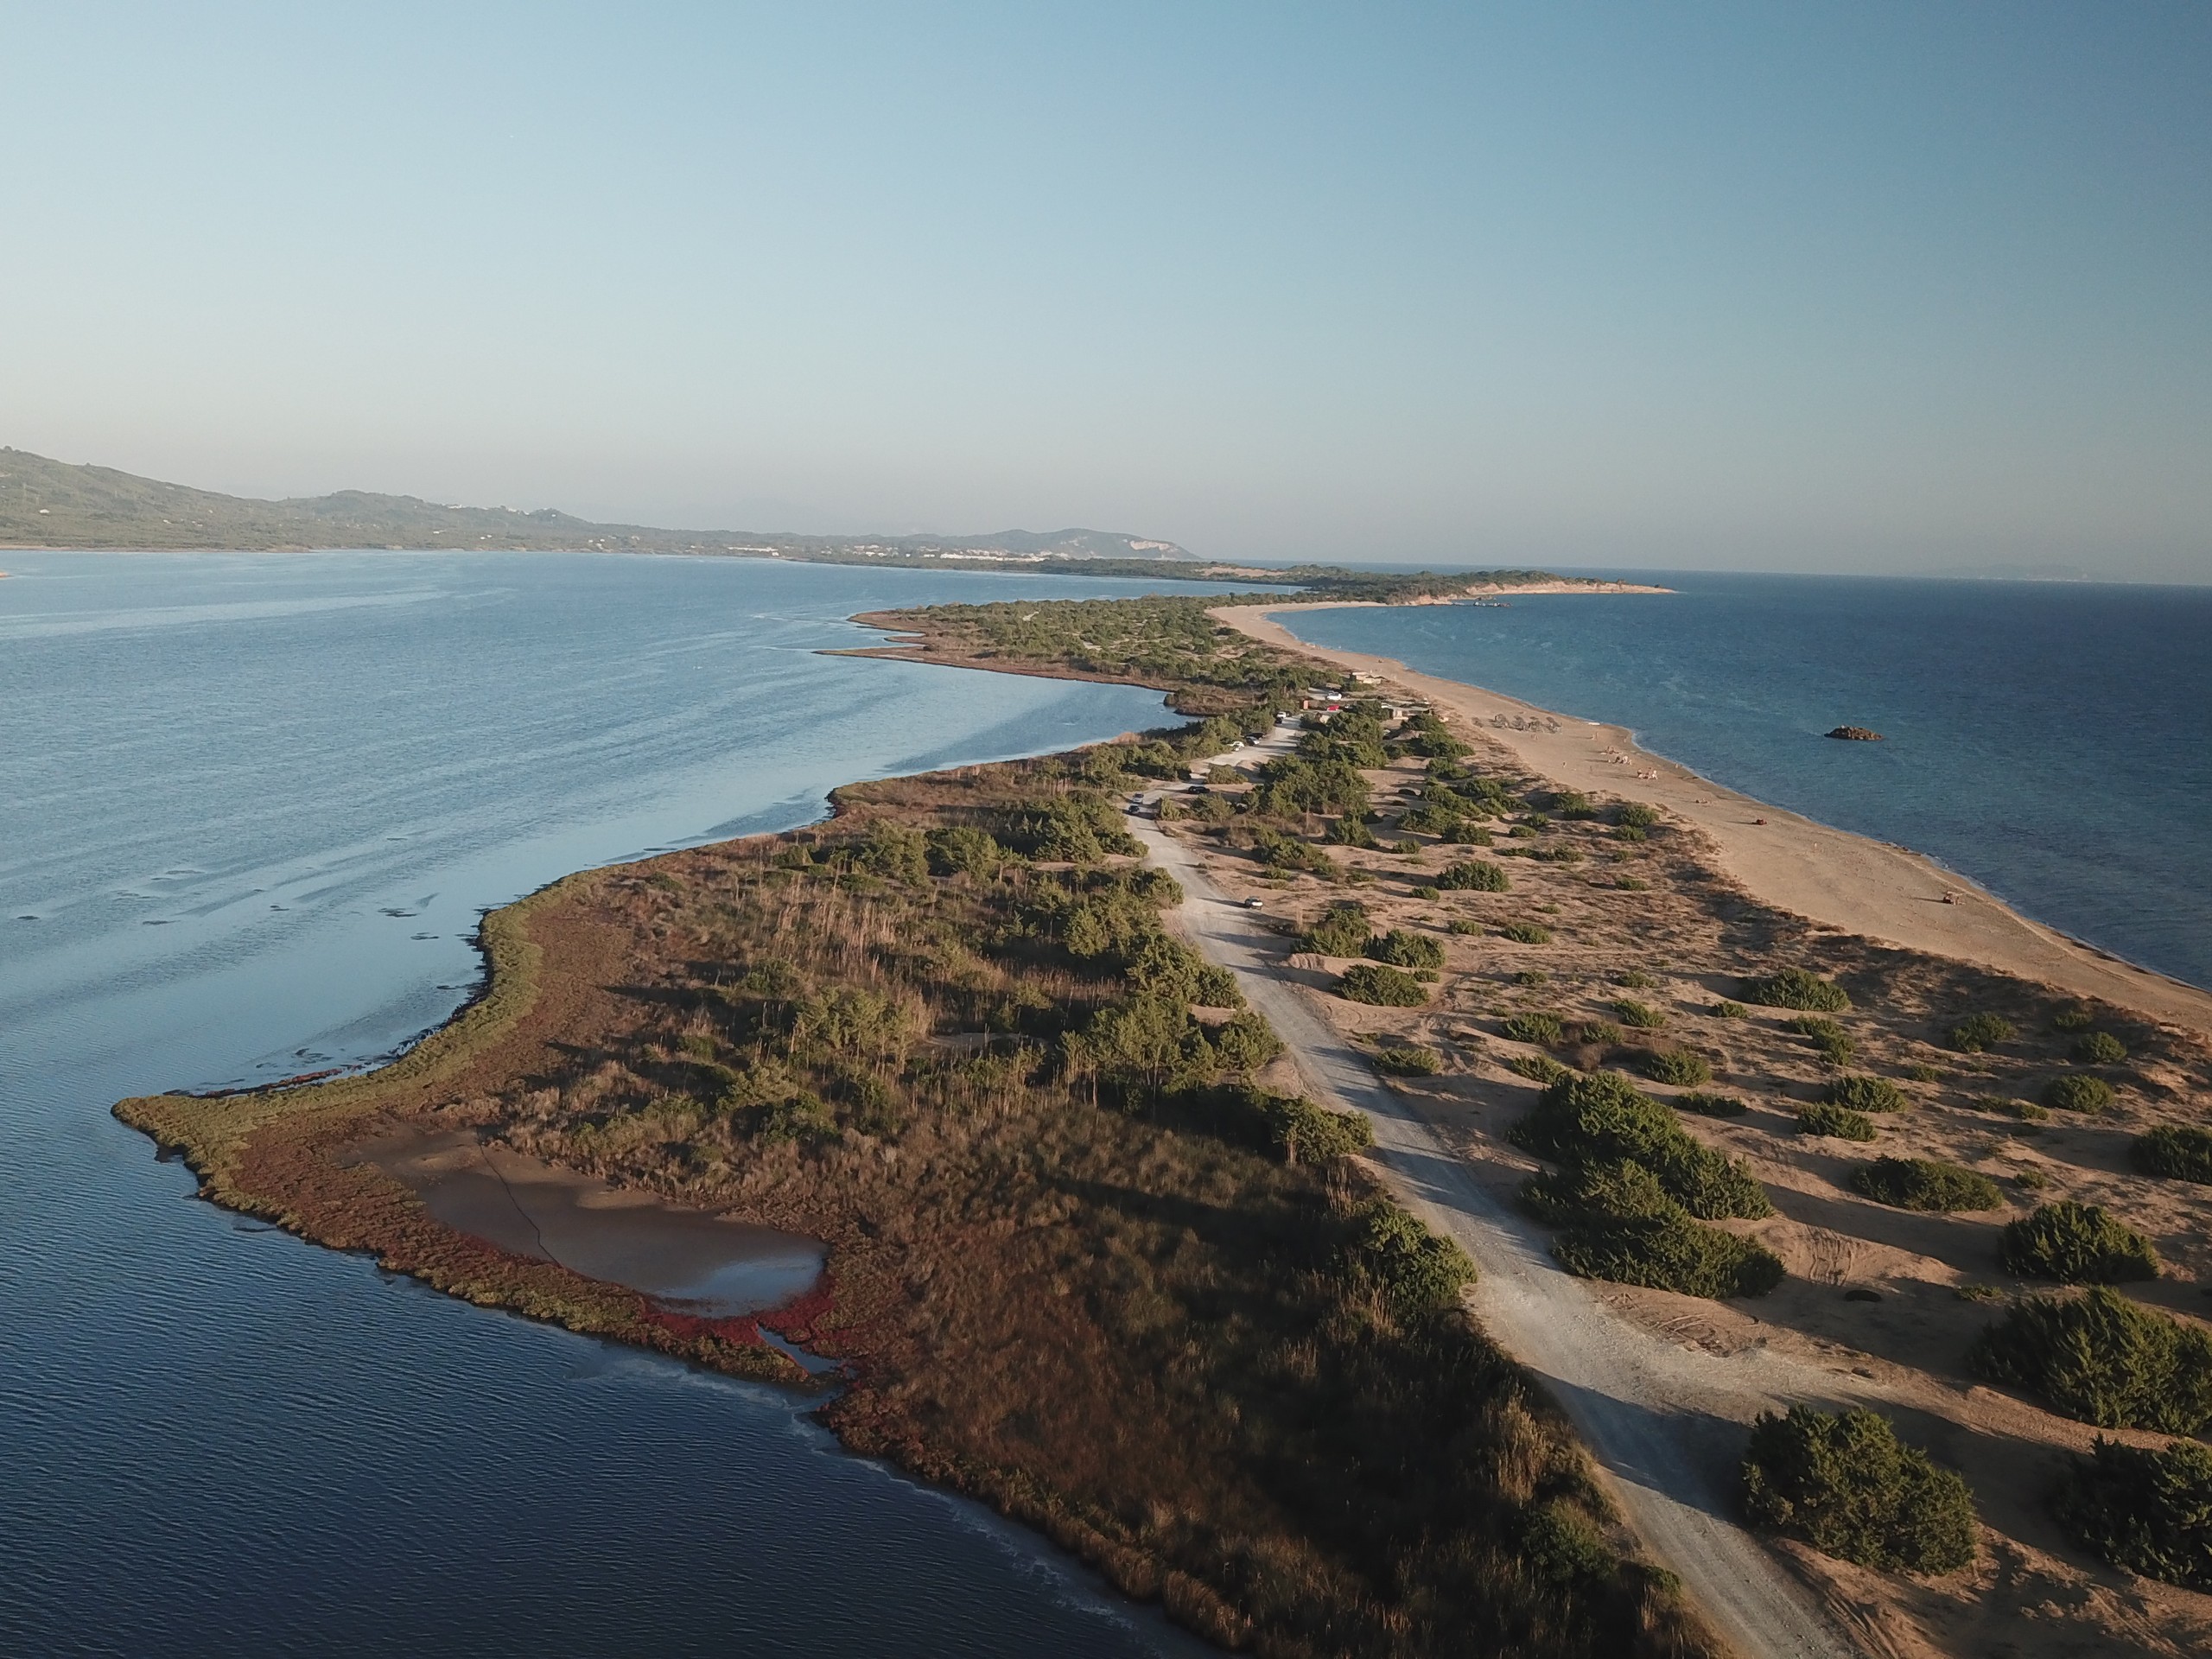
{"points": [[1834, 877], [869, 1426]]}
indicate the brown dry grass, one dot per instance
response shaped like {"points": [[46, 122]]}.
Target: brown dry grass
{"points": [[1138, 1331]]}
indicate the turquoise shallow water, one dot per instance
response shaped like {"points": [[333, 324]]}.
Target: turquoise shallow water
{"points": [[2051, 741], [252, 806]]}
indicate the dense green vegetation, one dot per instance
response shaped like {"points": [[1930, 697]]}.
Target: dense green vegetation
{"points": [[1864, 1094], [1833, 1041], [1641, 1015], [2098, 1048], [1797, 987], [2076, 1093], [1925, 1183], [1978, 1033], [1341, 931], [1846, 1486], [1630, 1188], [1840, 1121], [1402, 947], [2100, 1358], [1473, 876], [1679, 1068], [1542, 1029], [2145, 1509], [2181, 1152], [1388, 988], [1409, 1061], [1525, 932], [1707, 1105], [2076, 1244]]}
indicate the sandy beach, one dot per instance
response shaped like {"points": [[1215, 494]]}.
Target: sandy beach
{"points": [[1829, 875]]}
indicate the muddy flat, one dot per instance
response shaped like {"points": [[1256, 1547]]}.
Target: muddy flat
{"points": [[691, 1260]]}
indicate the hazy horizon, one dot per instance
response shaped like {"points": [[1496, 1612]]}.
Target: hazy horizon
{"points": [[1859, 289]]}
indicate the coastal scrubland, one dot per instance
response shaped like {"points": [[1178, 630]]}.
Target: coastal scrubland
{"points": [[1091, 1260], [1938, 1147]]}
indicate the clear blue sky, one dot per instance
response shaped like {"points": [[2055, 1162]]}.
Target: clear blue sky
{"points": [[1852, 286]]}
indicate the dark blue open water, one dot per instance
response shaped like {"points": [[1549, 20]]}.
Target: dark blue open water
{"points": [[2052, 741], [250, 807]]}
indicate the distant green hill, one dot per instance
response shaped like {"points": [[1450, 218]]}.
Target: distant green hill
{"points": [[50, 504]]}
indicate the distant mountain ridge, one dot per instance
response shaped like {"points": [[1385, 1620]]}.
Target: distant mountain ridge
{"points": [[47, 503]]}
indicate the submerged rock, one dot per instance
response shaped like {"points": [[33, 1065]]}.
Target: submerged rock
{"points": [[1856, 734]]}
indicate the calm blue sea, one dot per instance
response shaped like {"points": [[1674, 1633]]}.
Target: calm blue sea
{"points": [[250, 808], [2051, 741]]}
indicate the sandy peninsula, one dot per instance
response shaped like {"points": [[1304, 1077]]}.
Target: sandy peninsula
{"points": [[1844, 881]]}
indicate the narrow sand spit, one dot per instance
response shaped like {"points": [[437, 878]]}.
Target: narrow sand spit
{"points": [[1830, 875]]}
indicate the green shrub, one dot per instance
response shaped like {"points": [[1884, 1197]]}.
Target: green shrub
{"points": [[1622, 1224], [1306, 1132], [2100, 1358], [1538, 1068], [1473, 876], [1599, 1033], [1831, 1040], [1633, 979], [1707, 1105], [1793, 987], [1862, 1094], [2144, 1509], [1978, 1033], [1245, 1043], [1602, 1119], [1668, 1252], [2076, 1244], [1526, 932], [1408, 1062], [1419, 1272], [2099, 1048], [2179, 1154], [2077, 1016], [962, 849], [1342, 932], [1635, 815], [1572, 804], [2026, 1110], [1078, 829], [1724, 1009], [2076, 1093], [1351, 830], [1641, 1015], [1846, 1486], [1822, 1118], [1401, 948], [1427, 893], [1386, 988], [1532, 976], [1543, 1029], [1281, 852], [1679, 1068], [1925, 1183]]}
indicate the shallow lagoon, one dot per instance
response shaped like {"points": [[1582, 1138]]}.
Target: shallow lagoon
{"points": [[252, 806]]}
